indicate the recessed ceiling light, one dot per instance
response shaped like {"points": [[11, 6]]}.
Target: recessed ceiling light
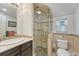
{"points": [[4, 9], [39, 12]]}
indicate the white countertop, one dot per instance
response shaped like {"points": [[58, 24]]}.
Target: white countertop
{"points": [[8, 47]]}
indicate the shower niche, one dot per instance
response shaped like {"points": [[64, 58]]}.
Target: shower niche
{"points": [[41, 29]]}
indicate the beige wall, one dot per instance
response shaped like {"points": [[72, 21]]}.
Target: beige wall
{"points": [[73, 42]]}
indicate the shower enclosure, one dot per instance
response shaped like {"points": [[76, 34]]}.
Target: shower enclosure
{"points": [[41, 29]]}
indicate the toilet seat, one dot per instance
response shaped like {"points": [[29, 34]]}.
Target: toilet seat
{"points": [[62, 52]]}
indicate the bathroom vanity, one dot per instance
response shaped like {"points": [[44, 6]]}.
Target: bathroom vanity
{"points": [[14, 40], [23, 48]]}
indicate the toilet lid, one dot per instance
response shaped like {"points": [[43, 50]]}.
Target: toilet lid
{"points": [[62, 52]]}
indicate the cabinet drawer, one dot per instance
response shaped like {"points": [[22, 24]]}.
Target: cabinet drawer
{"points": [[27, 52], [12, 52], [26, 45]]}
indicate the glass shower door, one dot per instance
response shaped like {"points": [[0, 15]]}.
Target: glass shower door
{"points": [[40, 29]]}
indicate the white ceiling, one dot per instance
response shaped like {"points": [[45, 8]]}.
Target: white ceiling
{"points": [[11, 11], [59, 9]]}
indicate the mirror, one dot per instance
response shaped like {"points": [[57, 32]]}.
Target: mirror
{"points": [[8, 19]]}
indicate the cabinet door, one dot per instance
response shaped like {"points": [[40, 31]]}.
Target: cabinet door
{"points": [[18, 55], [26, 45], [27, 52], [26, 49], [13, 52]]}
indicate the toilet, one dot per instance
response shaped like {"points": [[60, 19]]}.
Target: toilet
{"points": [[62, 46]]}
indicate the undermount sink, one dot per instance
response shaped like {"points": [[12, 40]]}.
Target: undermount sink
{"points": [[11, 41]]}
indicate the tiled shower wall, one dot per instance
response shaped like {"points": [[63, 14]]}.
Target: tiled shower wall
{"points": [[40, 29], [73, 42]]}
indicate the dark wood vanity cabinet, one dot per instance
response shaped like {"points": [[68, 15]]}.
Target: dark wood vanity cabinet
{"points": [[12, 52], [22, 50], [26, 49], [27, 52]]}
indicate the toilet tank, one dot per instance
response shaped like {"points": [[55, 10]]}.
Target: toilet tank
{"points": [[63, 44]]}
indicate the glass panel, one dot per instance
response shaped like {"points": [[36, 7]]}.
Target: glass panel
{"points": [[40, 29]]}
